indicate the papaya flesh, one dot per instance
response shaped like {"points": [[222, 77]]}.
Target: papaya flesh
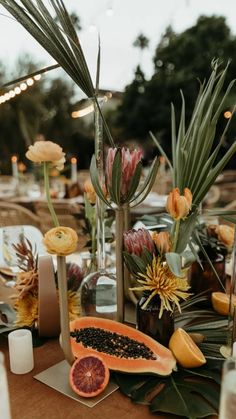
{"points": [[121, 347]]}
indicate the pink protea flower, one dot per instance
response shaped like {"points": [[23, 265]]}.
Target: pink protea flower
{"points": [[136, 240], [129, 161]]}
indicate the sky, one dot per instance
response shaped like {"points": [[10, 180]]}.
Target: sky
{"points": [[117, 31]]}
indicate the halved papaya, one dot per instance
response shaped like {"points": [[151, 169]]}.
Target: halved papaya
{"points": [[122, 348]]}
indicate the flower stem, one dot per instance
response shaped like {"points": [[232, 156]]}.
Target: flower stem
{"points": [[49, 201], [127, 277], [93, 249], [176, 234], [119, 264], [100, 208]]}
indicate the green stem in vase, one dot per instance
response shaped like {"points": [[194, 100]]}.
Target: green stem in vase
{"points": [[100, 210], [93, 249], [127, 277], [176, 234], [64, 311], [48, 197], [119, 264]]}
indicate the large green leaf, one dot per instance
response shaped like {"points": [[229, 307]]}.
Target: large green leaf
{"points": [[115, 189], [189, 393], [95, 181], [134, 182], [192, 393], [182, 397], [147, 185], [185, 231], [174, 263]]}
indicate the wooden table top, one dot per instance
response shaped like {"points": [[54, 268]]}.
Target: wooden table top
{"points": [[31, 399]]}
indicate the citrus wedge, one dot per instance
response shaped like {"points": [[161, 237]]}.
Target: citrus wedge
{"points": [[186, 352], [220, 302]]}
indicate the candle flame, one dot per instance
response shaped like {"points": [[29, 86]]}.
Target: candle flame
{"points": [[14, 159], [73, 160], [227, 114]]}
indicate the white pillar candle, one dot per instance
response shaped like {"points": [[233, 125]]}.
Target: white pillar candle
{"points": [[74, 170], [14, 167], [21, 351], [4, 395]]}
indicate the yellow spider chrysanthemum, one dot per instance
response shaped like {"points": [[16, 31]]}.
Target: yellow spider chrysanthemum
{"points": [[159, 280], [73, 305], [27, 310]]}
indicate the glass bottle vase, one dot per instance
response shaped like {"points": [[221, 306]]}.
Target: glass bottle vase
{"points": [[148, 320], [98, 288]]}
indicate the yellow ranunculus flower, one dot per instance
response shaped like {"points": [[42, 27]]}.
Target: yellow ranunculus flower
{"points": [[178, 206], [46, 151], [61, 241]]}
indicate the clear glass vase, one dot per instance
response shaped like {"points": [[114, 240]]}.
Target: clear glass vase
{"points": [[98, 288], [98, 295]]}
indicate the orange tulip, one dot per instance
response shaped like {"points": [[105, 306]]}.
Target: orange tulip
{"points": [[162, 241], [178, 206], [225, 235], [90, 192]]}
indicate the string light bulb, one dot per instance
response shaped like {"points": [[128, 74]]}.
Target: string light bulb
{"points": [[30, 82], [19, 89], [37, 77], [23, 86]]}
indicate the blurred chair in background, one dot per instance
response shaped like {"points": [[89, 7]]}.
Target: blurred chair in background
{"points": [[68, 214], [14, 214]]}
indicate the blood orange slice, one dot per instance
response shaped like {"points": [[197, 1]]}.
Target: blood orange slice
{"points": [[89, 376]]}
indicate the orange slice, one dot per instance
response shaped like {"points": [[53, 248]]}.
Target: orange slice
{"points": [[220, 302], [186, 352]]}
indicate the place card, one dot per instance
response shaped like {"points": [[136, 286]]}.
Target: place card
{"points": [[57, 377]]}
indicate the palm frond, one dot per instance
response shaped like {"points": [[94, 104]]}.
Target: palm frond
{"points": [[193, 151], [59, 40]]}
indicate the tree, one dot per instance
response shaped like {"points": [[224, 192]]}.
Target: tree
{"points": [[141, 42], [180, 61]]}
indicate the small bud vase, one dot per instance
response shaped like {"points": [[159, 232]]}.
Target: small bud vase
{"points": [[148, 320]]}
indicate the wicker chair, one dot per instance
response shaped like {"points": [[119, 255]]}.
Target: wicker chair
{"points": [[13, 214]]}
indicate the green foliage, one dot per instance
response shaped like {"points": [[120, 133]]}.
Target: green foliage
{"points": [[180, 60], [189, 393], [192, 393]]}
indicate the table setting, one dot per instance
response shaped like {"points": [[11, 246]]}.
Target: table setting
{"points": [[70, 341]]}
